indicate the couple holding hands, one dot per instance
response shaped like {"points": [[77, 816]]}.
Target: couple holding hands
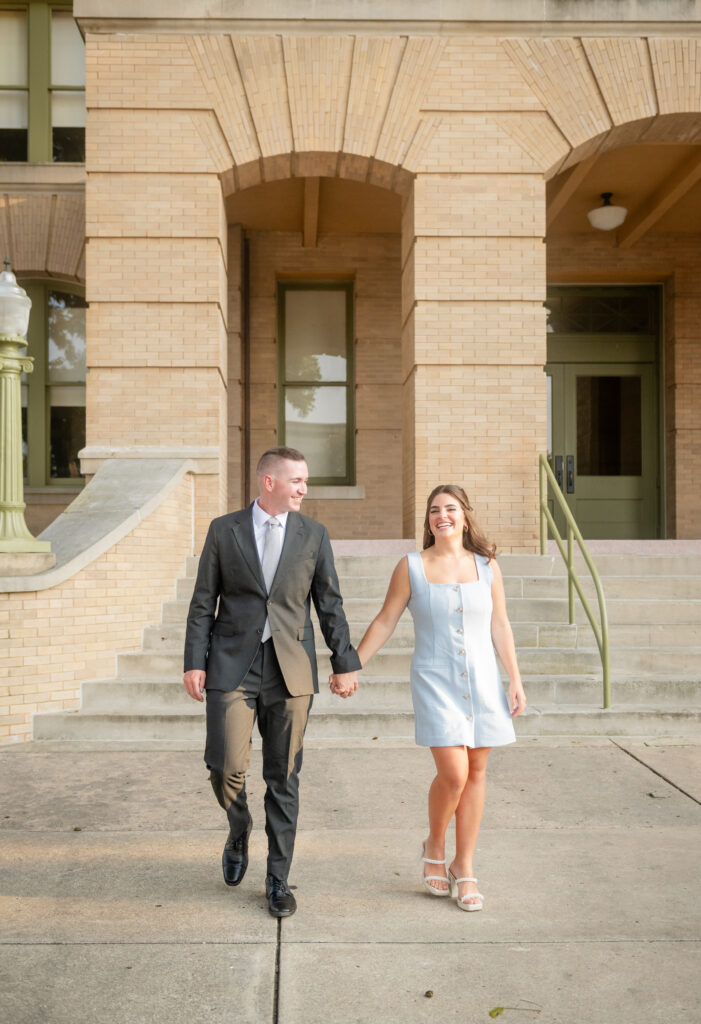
{"points": [[249, 648]]}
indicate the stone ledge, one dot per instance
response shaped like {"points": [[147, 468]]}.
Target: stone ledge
{"points": [[203, 459], [122, 494], [329, 492]]}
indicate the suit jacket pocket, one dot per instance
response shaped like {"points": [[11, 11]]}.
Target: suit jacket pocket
{"points": [[224, 629]]}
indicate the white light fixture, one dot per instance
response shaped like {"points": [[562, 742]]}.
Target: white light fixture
{"points": [[14, 305], [607, 217]]}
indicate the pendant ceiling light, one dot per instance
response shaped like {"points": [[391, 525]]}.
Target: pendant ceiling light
{"points": [[607, 217]]}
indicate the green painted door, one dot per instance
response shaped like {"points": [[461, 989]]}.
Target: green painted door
{"points": [[603, 410], [606, 437]]}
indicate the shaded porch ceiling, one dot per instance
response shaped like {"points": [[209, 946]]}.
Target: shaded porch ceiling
{"points": [[659, 184], [317, 206]]}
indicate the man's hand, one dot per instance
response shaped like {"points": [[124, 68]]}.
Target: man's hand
{"points": [[344, 684], [194, 683]]}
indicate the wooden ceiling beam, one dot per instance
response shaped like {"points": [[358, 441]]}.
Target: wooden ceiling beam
{"points": [[311, 212], [568, 188], [667, 195]]}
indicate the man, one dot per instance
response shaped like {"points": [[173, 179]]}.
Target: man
{"points": [[256, 658]]}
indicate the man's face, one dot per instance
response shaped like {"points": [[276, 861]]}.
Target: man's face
{"points": [[284, 491]]}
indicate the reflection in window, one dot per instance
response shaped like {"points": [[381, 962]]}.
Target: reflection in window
{"points": [[66, 379], [317, 412], [609, 426], [579, 310]]}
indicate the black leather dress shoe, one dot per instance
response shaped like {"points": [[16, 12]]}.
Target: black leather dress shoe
{"points": [[281, 902], [234, 859]]}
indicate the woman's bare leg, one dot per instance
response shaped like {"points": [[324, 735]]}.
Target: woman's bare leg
{"points": [[443, 799], [468, 816]]}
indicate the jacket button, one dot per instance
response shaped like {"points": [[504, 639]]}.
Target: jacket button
{"points": [[259, 632]]}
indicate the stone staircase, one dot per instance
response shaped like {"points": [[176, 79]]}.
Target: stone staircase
{"points": [[654, 607]]}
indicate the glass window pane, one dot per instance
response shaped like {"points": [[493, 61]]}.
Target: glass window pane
{"points": [[14, 107], [609, 426], [315, 423], [68, 109], [315, 334], [67, 433], [577, 312], [66, 315], [68, 119], [67, 50], [13, 48]]}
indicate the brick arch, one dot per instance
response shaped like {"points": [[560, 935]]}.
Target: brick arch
{"points": [[351, 167]]}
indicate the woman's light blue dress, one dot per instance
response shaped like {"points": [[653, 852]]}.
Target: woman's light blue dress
{"points": [[458, 696]]}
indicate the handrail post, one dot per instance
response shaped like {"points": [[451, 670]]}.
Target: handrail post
{"points": [[547, 523], [570, 574], [543, 488]]}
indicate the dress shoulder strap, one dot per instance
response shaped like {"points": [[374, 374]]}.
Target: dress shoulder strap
{"points": [[484, 569], [416, 573]]}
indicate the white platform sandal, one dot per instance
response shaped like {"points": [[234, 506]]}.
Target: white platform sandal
{"points": [[454, 890], [433, 878]]}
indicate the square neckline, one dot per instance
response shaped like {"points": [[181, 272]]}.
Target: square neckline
{"points": [[456, 583]]}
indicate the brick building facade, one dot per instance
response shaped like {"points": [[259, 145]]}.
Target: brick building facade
{"points": [[437, 168]]}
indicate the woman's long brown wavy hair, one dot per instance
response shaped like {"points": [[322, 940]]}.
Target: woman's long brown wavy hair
{"points": [[472, 537]]}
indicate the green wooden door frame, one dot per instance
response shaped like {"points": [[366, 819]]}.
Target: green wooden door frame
{"points": [[324, 285], [580, 353], [37, 384]]}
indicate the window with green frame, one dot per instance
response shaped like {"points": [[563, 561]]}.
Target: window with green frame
{"points": [[53, 395], [42, 83], [316, 409]]}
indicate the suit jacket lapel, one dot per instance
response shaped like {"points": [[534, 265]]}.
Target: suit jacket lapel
{"points": [[292, 544], [245, 538]]}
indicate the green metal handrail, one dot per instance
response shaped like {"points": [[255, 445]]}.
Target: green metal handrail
{"points": [[601, 629]]}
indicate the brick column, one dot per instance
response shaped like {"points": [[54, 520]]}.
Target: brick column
{"points": [[156, 265], [473, 343]]}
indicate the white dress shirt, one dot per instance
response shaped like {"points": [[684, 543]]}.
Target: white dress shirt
{"points": [[260, 528]]}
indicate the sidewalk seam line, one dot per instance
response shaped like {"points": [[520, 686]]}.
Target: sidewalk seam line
{"points": [[655, 772], [276, 980]]}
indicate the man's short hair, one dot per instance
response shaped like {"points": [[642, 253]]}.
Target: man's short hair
{"points": [[270, 460]]}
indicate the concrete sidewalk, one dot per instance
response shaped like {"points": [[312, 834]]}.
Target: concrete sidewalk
{"points": [[113, 909]]}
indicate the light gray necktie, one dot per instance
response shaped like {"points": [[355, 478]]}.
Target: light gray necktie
{"points": [[271, 556]]}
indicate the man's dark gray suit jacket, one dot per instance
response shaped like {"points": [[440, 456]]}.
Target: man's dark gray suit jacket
{"points": [[224, 641]]}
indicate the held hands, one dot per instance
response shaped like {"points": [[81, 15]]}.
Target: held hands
{"points": [[343, 684], [517, 699], [194, 683]]}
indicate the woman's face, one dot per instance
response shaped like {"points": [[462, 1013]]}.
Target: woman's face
{"points": [[445, 516]]}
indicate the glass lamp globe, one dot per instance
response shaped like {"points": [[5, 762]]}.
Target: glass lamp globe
{"points": [[607, 217], [14, 305]]}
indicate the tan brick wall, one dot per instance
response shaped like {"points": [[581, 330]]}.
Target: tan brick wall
{"points": [[675, 262], [373, 263], [474, 346], [52, 640]]}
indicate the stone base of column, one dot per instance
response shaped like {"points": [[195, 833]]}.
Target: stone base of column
{"points": [[26, 563]]}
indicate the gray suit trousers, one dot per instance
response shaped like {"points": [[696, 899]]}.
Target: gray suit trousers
{"points": [[282, 720]]}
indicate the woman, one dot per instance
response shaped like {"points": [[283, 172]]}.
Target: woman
{"points": [[455, 593]]}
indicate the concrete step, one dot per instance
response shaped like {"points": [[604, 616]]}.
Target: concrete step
{"points": [[643, 662], [187, 726], [138, 696], [526, 634], [383, 565], [646, 565], [659, 588]]}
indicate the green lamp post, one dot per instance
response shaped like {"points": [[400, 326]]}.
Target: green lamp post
{"points": [[16, 542]]}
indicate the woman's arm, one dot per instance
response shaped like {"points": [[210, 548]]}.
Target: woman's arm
{"points": [[503, 640], [382, 626]]}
